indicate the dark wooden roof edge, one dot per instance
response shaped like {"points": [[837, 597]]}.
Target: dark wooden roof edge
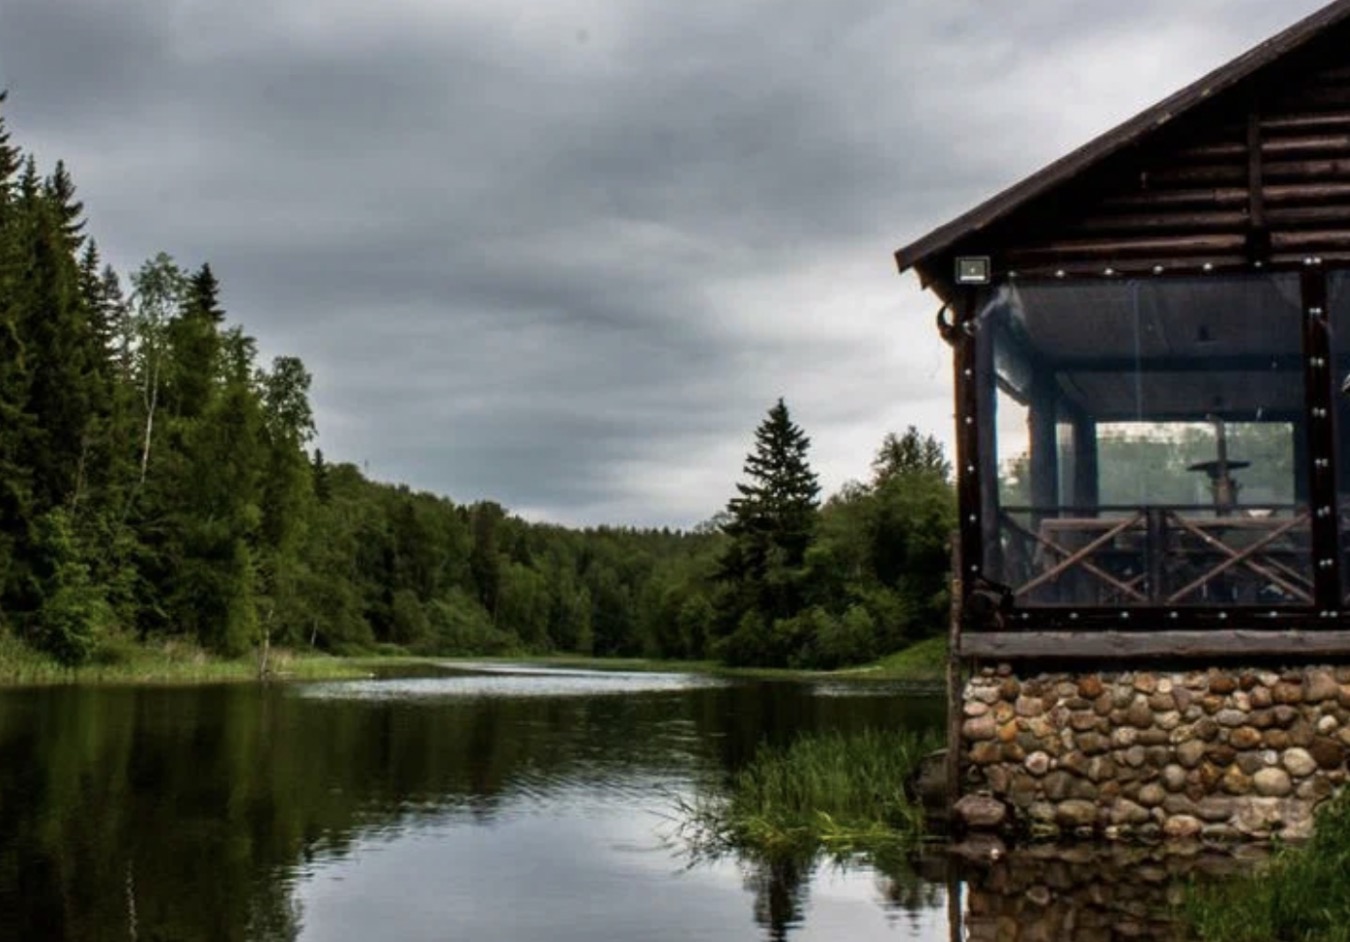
{"points": [[1123, 135]]}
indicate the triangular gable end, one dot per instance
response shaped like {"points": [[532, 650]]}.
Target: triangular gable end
{"points": [[1247, 168]]}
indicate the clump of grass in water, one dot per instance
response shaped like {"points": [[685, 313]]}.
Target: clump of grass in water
{"points": [[1301, 895], [842, 793]]}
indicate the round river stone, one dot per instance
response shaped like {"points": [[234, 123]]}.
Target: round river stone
{"points": [[1272, 783], [1298, 763]]}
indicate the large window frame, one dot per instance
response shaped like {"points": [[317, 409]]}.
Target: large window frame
{"points": [[994, 603]]}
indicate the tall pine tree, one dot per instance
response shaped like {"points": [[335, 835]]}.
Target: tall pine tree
{"points": [[15, 423], [771, 524]]}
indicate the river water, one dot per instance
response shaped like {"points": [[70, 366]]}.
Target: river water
{"points": [[477, 804]]}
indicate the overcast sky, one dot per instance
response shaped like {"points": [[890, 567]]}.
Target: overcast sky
{"points": [[565, 255]]}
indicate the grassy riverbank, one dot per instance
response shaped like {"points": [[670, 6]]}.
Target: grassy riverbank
{"points": [[842, 793], [1302, 895], [180, 662], [168, 663], [923, 665]]}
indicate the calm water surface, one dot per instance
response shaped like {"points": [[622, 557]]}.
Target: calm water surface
{"points": [[480, 804]]}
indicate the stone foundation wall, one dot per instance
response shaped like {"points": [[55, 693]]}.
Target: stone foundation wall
{"points": [[1217, 754]]}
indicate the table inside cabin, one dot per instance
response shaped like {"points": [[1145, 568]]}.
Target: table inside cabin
{"points": [[1169, 556]]}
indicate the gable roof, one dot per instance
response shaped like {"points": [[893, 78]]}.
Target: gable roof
{"points": [[1124, 135]]}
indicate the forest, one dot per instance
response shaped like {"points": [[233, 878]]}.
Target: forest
{"points": [[157, 482]]}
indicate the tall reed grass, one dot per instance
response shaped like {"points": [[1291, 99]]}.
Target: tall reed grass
{"points": [[838, 792], [1302, 895]]}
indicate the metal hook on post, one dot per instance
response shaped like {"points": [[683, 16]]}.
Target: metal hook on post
{"points": [[946, 328]]}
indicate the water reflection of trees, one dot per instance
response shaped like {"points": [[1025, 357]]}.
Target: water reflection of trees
{"points": [[184, 814], [911, 884], [780, 887]]}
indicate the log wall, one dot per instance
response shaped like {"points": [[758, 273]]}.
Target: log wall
{"points": [[1261, 181]]}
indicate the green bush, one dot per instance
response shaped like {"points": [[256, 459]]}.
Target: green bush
{"points": [[460, 625], [75, 612], [847, 640]]}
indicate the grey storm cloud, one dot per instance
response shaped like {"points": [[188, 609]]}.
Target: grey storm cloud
{"points": [[565, 255]]}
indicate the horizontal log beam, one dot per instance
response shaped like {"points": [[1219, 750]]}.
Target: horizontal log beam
{"points": [[1326, 97], [1307, 122], [1165, 246], [1074, 268], [1107, 645], [1312, 239], [1220, 151], [1335, 73], [1205, 197], [1235, 172], [1301, 145], [1338, 259], [1306, 144], [1189, 252], [1307, 169], [1287, 194], [1173, 221], [1308, 215]]}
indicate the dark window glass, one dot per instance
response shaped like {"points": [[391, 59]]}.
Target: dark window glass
{"points": [[1149, 443], [1339, 288]]}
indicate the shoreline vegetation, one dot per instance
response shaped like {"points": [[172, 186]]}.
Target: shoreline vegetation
{"points": [[177, 662], [1300, 894], [840, 794], [162, 494], [171, 662]]}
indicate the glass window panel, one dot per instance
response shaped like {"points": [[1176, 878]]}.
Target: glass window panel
{"points": [[1148, 442], [1339, 297]]}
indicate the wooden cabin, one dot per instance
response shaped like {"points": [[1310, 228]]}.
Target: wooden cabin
{"points": [[1152, 364]]}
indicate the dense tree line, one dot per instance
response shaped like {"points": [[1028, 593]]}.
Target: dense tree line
{"points": [[805, 585], [156, 482]]}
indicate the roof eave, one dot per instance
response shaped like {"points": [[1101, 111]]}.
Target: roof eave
{"points": [[1129, 132]]}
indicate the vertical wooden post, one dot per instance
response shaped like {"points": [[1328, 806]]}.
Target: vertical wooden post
{"points": [[980, 437], [955, 704], [1258, 232], [955, 916], [1302, 464], [1044, 444], [1085, 485], [1321, 409], [1155, 545]]}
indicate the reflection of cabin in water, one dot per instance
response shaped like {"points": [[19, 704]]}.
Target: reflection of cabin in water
{"points": [[1152, 346]]}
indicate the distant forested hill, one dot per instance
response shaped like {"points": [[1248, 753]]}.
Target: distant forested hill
{"points": [[157, 482]]}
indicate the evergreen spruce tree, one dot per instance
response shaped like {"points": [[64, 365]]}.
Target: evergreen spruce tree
{"points": [[69, 368], [212, 491], [60, 192], [10, 158], [323, 489], [771, 525], [194, 347], [15, 423]]}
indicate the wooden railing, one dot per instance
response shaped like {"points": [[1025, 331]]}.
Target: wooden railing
{"points": [[1157, 556]]}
